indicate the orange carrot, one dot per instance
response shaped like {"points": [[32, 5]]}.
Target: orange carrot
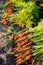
{"points": [[16, 37], [21, 39], [22, 43], [19, 60], [28, 57], [33, 60], [25, 33], [27, 44], [30, 43], [25, 49], [23, 55]]}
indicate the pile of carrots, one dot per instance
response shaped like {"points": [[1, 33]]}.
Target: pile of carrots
{"points": [[23, 48], [9, 11]]}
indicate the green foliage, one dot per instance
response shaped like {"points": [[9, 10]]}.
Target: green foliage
{"points": [[27, 15], [37, 38]]}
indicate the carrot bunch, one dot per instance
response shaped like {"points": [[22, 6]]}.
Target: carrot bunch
{"points": [[9, 11], [23, 48]]}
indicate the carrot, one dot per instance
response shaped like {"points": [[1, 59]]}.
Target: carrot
{"points": [[30, 43], [19, 34], [23, 55], [5, 21], [33, 60], [16, 37], [25, 49], [19, 60], [19, 63], [17, 50], [21, 39], [30, 34], [20, 50], [25, 33], [27, 44], [28, 57], [16, 55], [9, 10], [22, 43], [22, 47]]}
